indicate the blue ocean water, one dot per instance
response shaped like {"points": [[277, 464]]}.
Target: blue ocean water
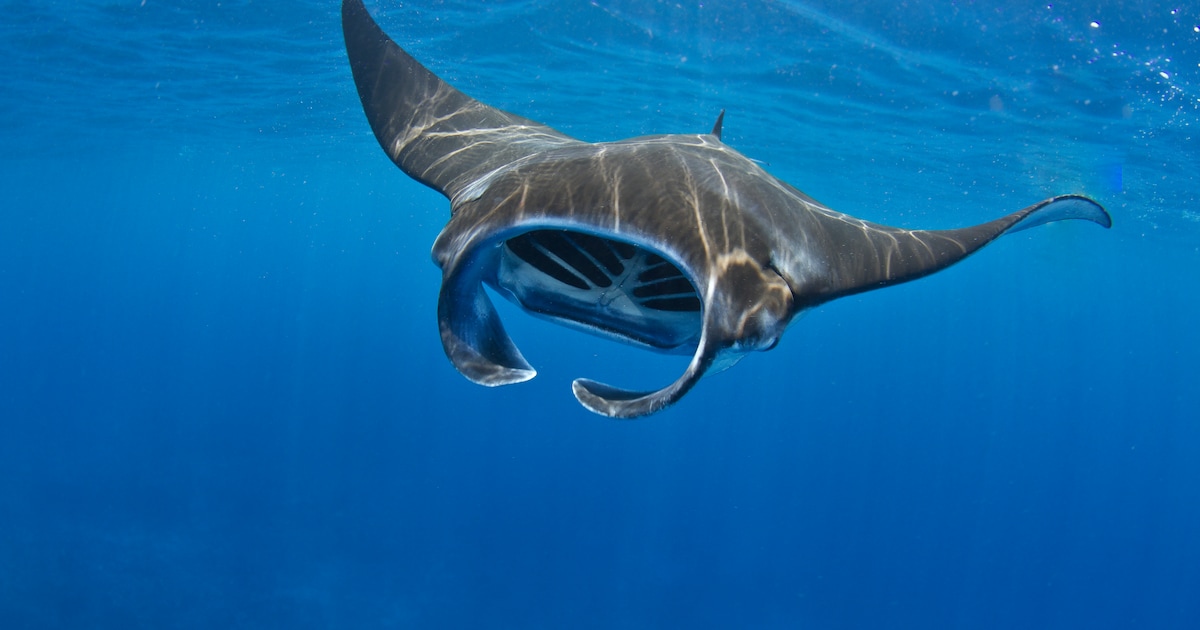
{"points": [[224, 402]]}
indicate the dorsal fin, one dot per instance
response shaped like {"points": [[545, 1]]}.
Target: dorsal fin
{"points": [[717, 126]]}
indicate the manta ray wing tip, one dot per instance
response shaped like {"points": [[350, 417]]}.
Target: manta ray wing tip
{"points": [[1097, 213], [1062, 208]]}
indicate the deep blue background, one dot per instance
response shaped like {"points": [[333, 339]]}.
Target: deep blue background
{"points": [[223, 401]]}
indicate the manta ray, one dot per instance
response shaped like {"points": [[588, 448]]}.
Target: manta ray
{"points": [[675, 243]]}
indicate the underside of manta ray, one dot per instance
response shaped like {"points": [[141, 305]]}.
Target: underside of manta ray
{"points": [[675, 243]]}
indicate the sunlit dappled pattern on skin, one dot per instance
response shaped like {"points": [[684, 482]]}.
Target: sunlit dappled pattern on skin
{"points": [[674, 242]]}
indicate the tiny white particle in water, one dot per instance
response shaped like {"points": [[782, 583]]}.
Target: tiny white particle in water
{"points": [[1164, 75], [1095, 25]]}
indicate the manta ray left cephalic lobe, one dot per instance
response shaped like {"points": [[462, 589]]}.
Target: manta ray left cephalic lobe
{"points": [[675, 243]]}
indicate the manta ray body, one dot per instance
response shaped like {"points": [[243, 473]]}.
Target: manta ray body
{"points": [[675, 243]]}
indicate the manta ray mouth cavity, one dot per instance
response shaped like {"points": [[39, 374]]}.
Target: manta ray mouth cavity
{"points": [[591, 263], [606, 286]]}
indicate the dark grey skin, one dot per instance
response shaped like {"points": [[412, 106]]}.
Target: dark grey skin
{"points": [[675, 243]]}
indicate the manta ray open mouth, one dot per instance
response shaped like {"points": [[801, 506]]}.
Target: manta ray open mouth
{"points": [[605, 286]]}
